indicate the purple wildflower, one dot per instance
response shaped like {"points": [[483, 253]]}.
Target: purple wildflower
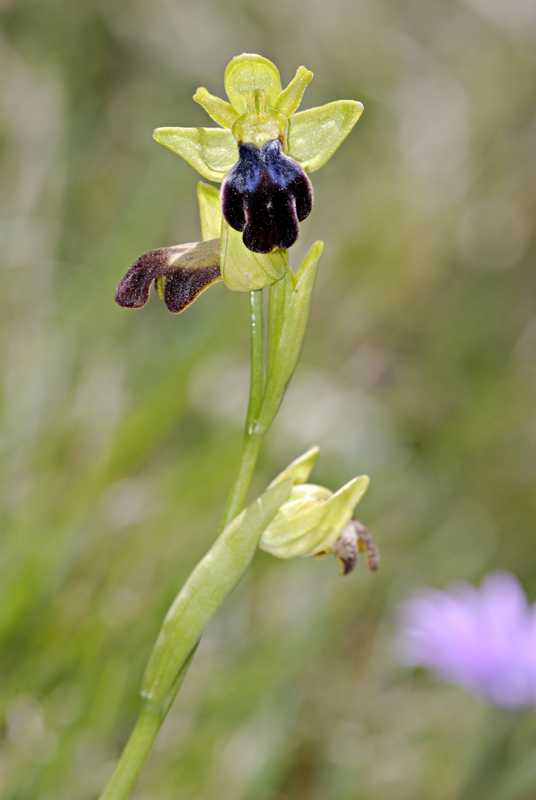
{"points": [[482, 639]]}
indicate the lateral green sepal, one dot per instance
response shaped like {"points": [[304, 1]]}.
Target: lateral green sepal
{"points": [[315, 134], [211, 151]]}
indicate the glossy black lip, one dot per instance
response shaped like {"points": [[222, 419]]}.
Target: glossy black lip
{"points": [[266, 195]]}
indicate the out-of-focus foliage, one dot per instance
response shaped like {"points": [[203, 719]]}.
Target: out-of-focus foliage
{"points": [[120, 428]]}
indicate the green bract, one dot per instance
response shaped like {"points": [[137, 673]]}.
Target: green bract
{"points": [[259, 111]]}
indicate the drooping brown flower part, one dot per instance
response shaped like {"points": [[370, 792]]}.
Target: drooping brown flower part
{"points": [[355, 539], [180, 273]]}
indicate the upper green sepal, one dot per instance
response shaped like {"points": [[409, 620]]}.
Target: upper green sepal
{"points": [[250, 73]]}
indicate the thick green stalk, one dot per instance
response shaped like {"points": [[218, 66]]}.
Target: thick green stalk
{"points": [[251, 444]]}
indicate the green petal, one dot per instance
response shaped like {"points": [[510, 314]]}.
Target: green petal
{"points": [[299, 469], [245, 74], [210, 211], [315, 134], [244, 271], [211, 151], [221, 112], [340, 507], [289, 100]]}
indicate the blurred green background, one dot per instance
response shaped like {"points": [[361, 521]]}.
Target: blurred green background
{"points": [[120, 429]]}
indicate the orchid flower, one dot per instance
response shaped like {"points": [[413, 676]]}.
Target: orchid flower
{"points": [[262, 154]]}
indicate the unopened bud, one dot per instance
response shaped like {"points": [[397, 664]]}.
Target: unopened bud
{"points": [[313, 518]]}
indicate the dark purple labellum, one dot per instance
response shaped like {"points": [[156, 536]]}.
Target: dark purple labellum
{"points": [[266, 195]]}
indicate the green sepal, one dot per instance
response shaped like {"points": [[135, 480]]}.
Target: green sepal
{"points": [[299, 469], [221, 112], [244, 271], [206, 588], [315, 134], [211, 151], [290, 98], [248, 73], [289, 319], [208, 198]]}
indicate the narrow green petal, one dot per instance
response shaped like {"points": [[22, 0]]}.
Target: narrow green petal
{"points": [[211, 151], [340, 507], [289, 99], [221, 112], [244, 271], [299, 469], [245, 74], [315, 134], [210, 211]]}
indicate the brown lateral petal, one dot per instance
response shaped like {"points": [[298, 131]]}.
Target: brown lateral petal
{"points": [[187, 270], [354, 539]]}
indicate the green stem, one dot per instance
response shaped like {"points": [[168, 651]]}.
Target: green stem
{"points": [[152, 715], [136, 751], [251, 444], [141, 741]]}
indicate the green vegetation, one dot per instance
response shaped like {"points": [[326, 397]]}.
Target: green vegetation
{"points": [[120, 429]]}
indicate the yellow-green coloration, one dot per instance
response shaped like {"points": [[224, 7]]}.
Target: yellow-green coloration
{"points": [[258, 111], [312, 519], [208, 198], [259, 123], [249, 73]]}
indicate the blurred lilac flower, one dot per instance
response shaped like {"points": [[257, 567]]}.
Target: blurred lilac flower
{"points": [[482, 639]]}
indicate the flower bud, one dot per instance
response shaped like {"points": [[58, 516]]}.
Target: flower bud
{"points": [[312, 521]]}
